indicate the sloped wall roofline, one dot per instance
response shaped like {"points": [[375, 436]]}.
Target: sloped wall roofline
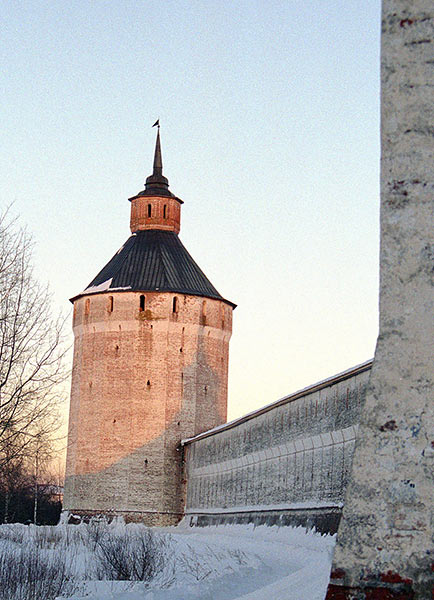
{"points": [[299, 394]]}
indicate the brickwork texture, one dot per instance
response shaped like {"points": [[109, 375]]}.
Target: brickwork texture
{"points": [[142, 380]]}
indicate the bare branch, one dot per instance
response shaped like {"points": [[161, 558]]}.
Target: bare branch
{"points": [[32, 349]]}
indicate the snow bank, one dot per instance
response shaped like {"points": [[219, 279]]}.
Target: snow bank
{"points": [[225, 562]]}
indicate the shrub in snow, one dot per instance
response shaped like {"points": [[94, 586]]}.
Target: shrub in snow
{"points": [[28, 573], [13, 533], [42, 563], [129, 554], [110, 561]]}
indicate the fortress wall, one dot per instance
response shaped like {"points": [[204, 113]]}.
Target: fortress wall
{"points": [[287, 463], [385, 546]]}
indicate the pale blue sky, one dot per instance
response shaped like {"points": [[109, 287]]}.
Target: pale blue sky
{"points": [[270, 134]]}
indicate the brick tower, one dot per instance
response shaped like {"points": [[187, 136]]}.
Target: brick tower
{"points": [[150, 368]]}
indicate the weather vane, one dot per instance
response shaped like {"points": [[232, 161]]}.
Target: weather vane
{"points": [[157, 124]]}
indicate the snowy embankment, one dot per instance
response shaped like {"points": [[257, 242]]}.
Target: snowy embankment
{"points": [[118, 562], [285, 564]]}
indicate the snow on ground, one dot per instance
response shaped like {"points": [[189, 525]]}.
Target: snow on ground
{"points": [[225, 562], [235, 562], [292, 564]]}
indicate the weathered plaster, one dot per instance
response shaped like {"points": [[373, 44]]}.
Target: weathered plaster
{"points": [[291, 461], [385, 536]]}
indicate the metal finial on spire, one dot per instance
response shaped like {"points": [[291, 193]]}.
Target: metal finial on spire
{"points": [[157, 183], [158, 161]]}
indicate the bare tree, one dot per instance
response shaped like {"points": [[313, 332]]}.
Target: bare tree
{"points": [[31, 350], [11, 478]]}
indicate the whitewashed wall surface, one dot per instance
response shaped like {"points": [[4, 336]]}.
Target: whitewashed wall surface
{"points": [[295, 454]]}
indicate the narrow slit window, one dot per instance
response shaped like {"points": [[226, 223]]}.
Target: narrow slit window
{"points": [[165, 212], [204, 308], [175, 305], [149, 210], [142, 302], [110, 304], [87, 306]]}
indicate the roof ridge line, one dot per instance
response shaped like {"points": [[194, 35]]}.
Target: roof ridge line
{"points": [[121, 260], [198, 269]]}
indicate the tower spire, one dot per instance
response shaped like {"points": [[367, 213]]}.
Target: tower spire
{"points": [[158, 161], [156, 207], [157, 183]]}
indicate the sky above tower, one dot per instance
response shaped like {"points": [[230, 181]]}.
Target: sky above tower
{"points": [[269, 115]]}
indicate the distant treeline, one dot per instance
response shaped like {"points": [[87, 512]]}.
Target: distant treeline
{"points": [[17, 501]]}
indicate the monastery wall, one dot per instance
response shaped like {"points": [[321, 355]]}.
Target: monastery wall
{"points": [[286, 463]]}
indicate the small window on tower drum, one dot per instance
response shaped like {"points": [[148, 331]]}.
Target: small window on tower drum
{"points": [[110, 304], [165, 212], [149, 210], [175, 305], [142, 303]]}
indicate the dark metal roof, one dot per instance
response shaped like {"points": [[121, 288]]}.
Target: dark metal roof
{"points": [[153, 260]]}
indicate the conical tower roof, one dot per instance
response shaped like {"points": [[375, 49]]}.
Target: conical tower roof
{"points": [[153, 260]]}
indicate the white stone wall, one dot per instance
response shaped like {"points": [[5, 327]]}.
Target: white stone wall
{"points": [[386, 532], [296, 455]]}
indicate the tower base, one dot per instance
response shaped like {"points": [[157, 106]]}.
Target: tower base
{"points": [[380, 586], [148, 518]]}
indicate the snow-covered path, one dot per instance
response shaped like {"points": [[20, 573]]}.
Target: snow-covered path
{"points": [[292, 564], [236, 563]]}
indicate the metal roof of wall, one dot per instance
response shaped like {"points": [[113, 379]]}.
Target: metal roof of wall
{"points": [[333, 380]]}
